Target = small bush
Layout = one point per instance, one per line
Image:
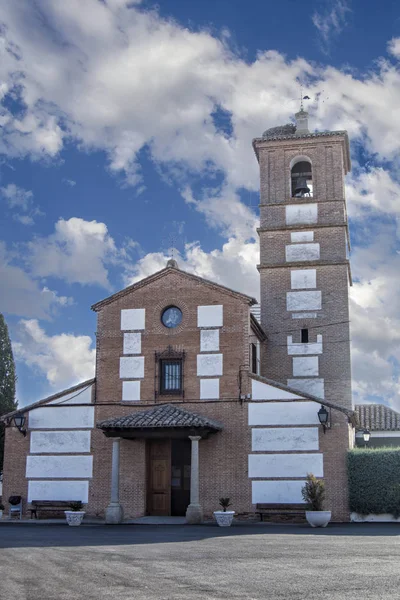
(374, 480)
(225, 503)
(313, 492)
(76, 506)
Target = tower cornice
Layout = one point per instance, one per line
(297, 140)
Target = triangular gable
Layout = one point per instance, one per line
(267, 389)
(68, 396)
(167, 271)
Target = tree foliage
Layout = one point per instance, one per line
(7, 380)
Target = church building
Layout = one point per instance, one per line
(197, 393)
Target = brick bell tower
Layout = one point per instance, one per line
(304, 266)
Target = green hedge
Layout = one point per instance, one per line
(374, 480)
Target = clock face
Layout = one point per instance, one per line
(171, 317)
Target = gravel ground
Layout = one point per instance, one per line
(92, 562)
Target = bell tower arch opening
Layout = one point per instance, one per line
(301, 181)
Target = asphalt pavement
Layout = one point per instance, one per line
(252, 562)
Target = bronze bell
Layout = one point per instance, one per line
(301, 188)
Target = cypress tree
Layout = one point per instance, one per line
(7, 380)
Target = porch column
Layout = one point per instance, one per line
(194, 512)
(114, 512)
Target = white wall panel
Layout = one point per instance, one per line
(303, 279)
(130, 391)
(305, 366)
(285, 465)
(65, 417)
(277, 492)
(300, 252)
(210, 316)
(131, 367)
(209, 340)
(58, 490)
(83, 396)
(284, 438)
(133, 318)
(306, 315)
(283, 413)
(132, 343)
(265, 391)
(209, 389)
(59, 466)
(310, 386)
(299, 348)
(60, 441)
(303, 300)
(306, 214)
(209, 364)
(301, 236)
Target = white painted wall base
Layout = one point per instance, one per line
(58, 490)
(285, 465)
(284, 438)
(382, 518)
(277, 492)
(60, 441)
(65, 417)
(283, 413)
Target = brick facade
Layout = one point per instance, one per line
(225, 455)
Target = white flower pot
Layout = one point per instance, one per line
(74, 517)
(224, 519)
(318, 518)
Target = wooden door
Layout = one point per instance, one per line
(159, 480)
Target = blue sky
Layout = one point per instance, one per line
(126, 130)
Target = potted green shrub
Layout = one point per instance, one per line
(224, 517)
(1, 510)
(75, 515)
(313, 493)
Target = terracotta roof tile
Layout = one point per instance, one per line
(165, 415)
(377, 417)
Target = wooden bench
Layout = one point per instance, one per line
(49, 506)
(282, 512)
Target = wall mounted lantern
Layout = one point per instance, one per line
(19, 422)
(366, 435)
(323, 417)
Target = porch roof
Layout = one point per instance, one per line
(163, 420)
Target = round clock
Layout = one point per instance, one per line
(171, 316)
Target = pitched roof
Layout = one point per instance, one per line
(79, 388)
(163, 416)
(377, 417)
(169, 269)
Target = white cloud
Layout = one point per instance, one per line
(17, 196)
(78, 252)
(233, 266)
(332, 22)
(394, 47)
(64, 359)
(375, 318)
(372, 192)
(19, 199)
(23, 296)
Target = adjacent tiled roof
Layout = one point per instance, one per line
(377, 417)
(165, 415)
